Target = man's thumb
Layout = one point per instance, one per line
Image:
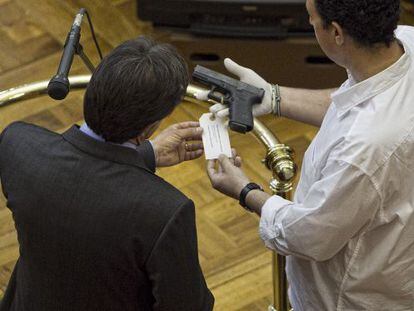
(224, 162)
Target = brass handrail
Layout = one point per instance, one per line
(278, 159)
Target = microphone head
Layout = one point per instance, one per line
(58, 87)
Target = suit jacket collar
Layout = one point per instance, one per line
(110, 152)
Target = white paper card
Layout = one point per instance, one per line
(215, 137)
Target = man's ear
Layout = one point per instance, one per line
(338, 33)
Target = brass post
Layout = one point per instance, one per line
(279, 160)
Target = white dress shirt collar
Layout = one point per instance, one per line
(88, 131)
(352, 94)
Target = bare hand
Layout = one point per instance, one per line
(177, 143)
(228, 177)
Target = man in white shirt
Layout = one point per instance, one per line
(349, 232)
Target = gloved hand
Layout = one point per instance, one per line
(248, 76)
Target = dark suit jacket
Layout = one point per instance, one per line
(97, 229)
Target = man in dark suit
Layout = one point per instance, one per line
(97, 229)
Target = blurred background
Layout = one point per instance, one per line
(269, 37)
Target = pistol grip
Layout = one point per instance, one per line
(241, 116)
(238, 127)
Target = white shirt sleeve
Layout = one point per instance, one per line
(340, 204)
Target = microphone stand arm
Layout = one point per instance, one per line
(79, 51)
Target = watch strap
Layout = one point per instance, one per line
(243, 194)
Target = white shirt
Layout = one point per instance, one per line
(350, 229)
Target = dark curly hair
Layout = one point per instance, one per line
(138, 83)
(368, 22)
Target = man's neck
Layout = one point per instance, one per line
(367, 63)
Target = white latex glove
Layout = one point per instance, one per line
(248, 76)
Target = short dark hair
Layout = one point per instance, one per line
(138, 83)
(368, 22)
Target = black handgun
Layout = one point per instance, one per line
(239, 96)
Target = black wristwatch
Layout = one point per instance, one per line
(242, 198)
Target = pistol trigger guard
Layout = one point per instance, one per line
(227, 98)
(210, 94)
(212, 101)
(216, 98)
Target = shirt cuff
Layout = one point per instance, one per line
(270, 228)
(148, 154)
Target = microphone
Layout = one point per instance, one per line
(58, 87)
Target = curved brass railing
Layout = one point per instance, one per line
(278, 159)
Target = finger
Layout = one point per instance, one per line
(226, 123)
(223, 113)
(191, 133)
(225, 163)
(217, 107)
(194, 146)
(235, 68)
(238, 161)
(193, 140)
(191, 155)
(220, 169)
(187, 124)
(202, 95)
(211, 170)
(233, 153)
